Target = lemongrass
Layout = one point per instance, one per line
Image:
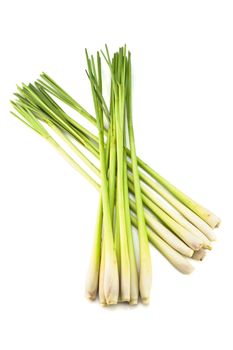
(117, 240)
(102, 298)
(111, 282)
(211, 219)
(199, 254)
(176, 259)
(125, 261)
(185, 211)
(166, 217)
(96, 265)
(164, 233)
(189, 238)
(174, 214)
(92, 281)
(145, 279)
(101, 277)
(134, 290)
(118, 116)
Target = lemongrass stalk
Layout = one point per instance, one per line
(199, 255)
(125, 262)
(111, 140)
(94, 264)
(39, 98)
(118, 118)
(72, 162)
(42, 114)
(57, 91)
(163, 232)
(111, 282)
(175, 258)
(102, 298)
(97, 263)
(134, 291)
(174, 214)
(189, 238)
(112, 182)
(117, 241)
(112, 172)
(92, 280)
(185, 211)
(75, 149)
(211, 219)
(112, 190)
(145, 273)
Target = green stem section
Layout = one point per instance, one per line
(111, 283)
(145, 260)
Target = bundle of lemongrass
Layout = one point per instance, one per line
(131, 192)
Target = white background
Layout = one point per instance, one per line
(183, 111)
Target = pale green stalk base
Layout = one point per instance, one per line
(102, 298)
(190, 239)
(92, 281)
(176, 259)
(111, 281)
(167, 235)
(134, 290)
(145, 270)
(174, 214)
(185, 211)
(211, 219)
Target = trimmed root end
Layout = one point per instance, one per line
(213, 221)
(103, 304)
(145, 301)
(207, 246)
(218, 223)
(186, 269)
(197, 246)
(91, 295)
(125, 299)
(111, 302)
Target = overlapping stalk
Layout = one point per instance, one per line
(145, 278)
(131, 192)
